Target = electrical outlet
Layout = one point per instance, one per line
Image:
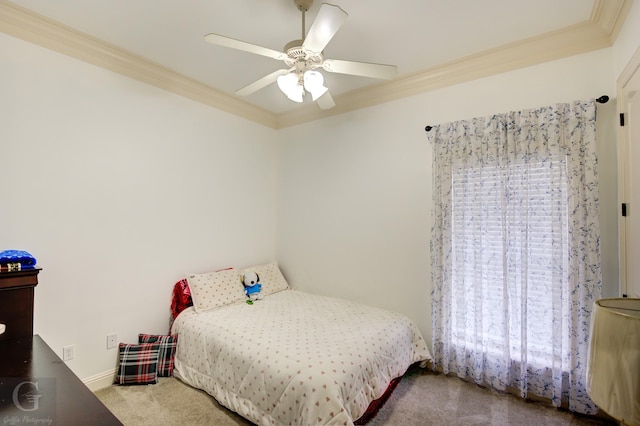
(68, 352)
(112, 340)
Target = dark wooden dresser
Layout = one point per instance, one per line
(36, 387)
(16, 302)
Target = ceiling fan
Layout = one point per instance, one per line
(304, 57)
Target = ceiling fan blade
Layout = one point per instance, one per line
(263, 82)
(327, 23)
(242, 45)
(326, 101)
(365, 69)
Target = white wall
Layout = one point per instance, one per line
(120, 189)
(354, 213)
(628, 40)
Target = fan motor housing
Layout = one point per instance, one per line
(296, 53)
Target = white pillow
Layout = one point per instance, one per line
(270, 276)
(215, 289)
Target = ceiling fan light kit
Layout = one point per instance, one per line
(314, 84)
(303, 57)
(291, 87)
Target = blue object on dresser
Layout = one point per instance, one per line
(17, 259)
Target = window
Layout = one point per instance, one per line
(506, 257)
(515, 250)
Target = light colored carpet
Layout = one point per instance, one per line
(421, 398)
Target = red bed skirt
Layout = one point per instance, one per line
(377, 404)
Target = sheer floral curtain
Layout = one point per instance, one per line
(515, 250)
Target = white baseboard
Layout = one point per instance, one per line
(100, 381)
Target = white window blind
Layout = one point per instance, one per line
(509, 248)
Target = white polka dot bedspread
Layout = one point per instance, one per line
(295, 358)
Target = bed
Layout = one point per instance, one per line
(292, 358)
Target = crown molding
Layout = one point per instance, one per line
(600, 31)
(610, 15)
(573, 40)
(29, 26)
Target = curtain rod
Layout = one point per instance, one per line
(601, 100)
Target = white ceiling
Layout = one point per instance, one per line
(413, 34)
